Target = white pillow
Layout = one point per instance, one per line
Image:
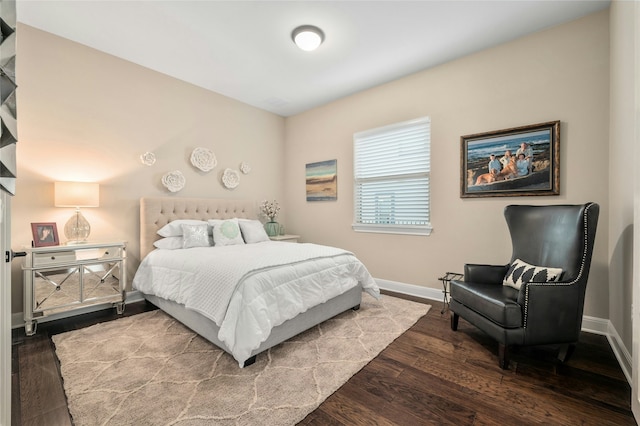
(521, 272)
(196, 236)
(226, 232)
(169, 243)
(252, 231)
(174, 228)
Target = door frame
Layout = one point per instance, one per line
(5, 309)
(635, 307)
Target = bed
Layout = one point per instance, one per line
(243, 298)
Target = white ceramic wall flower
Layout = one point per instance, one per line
(148, 158)
(204, 159)
(245, 168)
(174, 181)
(230, 178)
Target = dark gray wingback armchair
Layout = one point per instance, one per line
(541, 312)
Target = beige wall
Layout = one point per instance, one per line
(623, 124)
(558, 74)
(85, 115)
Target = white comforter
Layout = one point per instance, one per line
(249, 289)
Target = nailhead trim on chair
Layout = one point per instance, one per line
(584, 257)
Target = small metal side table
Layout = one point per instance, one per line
(446, 279)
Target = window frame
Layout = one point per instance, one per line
(388, 228)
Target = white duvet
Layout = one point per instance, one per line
(248, 289)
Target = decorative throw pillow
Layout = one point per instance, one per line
(174, 228)
(521, 272)
(195, 236)
(169, 243)
(252, 231)
(226, 232)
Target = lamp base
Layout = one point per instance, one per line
(77, 229)
(75, 243)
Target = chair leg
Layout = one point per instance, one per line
(565, 352)
(454, 321)
(503, 356)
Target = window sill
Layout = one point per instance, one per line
(393, 229)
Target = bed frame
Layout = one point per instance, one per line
(158, 211)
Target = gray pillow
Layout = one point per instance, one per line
(169, 243)
(195, 236)
(174, 228)
(252, 231)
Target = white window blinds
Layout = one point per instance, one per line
(391, 167)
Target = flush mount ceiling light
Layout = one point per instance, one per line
(307, 37)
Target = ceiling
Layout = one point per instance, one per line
(243, 49)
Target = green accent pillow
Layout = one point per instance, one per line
(226, 232)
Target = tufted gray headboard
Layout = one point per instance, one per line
(155, 212)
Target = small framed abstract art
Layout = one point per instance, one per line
(322, 181)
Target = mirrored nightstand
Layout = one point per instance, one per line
(61, 279)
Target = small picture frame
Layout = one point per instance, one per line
(44, 234)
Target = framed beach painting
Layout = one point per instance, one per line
(512, 162)
(322, 181)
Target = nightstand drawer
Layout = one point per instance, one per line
(53, 258)
(102, 253)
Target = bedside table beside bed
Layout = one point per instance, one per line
(289, 238)
(59, 280)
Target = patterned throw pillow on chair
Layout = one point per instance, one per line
(521, 272)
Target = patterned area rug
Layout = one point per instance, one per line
(149, 369)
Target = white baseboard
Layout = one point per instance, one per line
(17, 319)
(411, 290)
(619, 349)
(595, 325)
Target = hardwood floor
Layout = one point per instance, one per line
(432, 375)
(429, 375)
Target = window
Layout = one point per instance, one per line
(391, 178)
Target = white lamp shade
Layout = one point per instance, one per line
(77, 194)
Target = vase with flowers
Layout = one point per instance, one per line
(270, 209)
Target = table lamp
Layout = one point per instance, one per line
(77, 194)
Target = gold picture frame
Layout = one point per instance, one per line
(491, 164)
